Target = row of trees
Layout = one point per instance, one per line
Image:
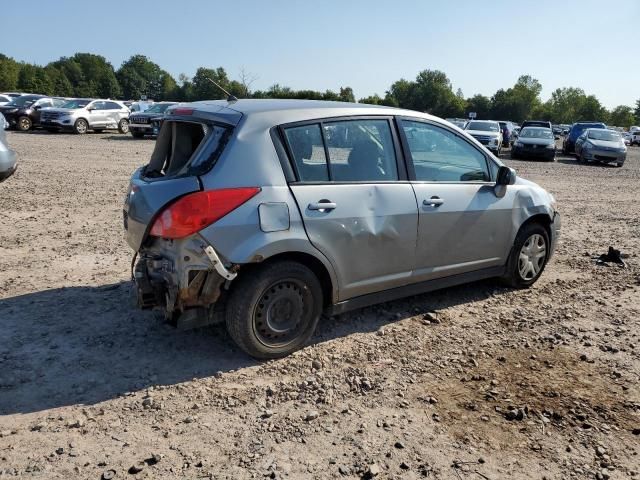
(89, 75)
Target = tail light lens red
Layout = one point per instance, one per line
(198, 210)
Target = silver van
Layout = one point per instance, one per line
(267, 213)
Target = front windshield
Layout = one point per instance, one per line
(21, 102)
(483, 126)
(536, 133)
(606, 135)
(78, 103)
(158, 108)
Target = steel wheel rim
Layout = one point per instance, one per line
(282, 313)
(532, 257)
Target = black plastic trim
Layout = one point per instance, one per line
(414, 289)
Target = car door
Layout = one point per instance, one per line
(357, 205)
(112, 114)
(96, 114)
(462, 225)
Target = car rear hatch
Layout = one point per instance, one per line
(192, 138)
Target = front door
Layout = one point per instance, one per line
(97, 116)
(357, 206)
(463, 225)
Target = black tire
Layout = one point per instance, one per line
(280, 289)
(513, 276)
(123, 126)
(81, 126)
(136, 134)
(24, 124)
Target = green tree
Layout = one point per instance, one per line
(140, 76)
(203, 89)
(346, 95)
(34, 79)
(622, 116)
(371, 100)
(592, 109)
(9, 70)
(481, 105)
(518, 102)
(636, 112)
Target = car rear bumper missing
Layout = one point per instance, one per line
(182, 278)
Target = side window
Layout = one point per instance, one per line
(308, 152)
(112, 106)
(58, 102)
(361, 151)
(439, 155)
(97, 105)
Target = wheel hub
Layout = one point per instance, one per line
(279, 312)
(532, 257)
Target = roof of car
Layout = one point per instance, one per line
(255, 105)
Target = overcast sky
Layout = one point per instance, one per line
(365, 44)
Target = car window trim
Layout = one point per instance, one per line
(400, 162)
(409, 158)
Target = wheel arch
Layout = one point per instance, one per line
(308, 260)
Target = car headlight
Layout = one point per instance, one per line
(587, 146)
(12, 110)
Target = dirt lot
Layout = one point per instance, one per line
(475, 382)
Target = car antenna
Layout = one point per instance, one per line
(230, 98)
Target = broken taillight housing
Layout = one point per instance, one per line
(198, 210)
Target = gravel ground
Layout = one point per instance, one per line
(474, 382)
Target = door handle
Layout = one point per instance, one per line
(322, 205)
(433, 202)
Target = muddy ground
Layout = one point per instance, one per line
(474, 382)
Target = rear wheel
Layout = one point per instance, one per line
(81, 126)
(528, 257)
(123, 126)
(24, 124)
(274, 310)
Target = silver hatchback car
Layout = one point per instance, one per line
(267, 213)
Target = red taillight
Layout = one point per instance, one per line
(195, 211)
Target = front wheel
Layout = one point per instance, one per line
(273, 311)
(81, 126)
(528, 257)
(24, 124)
(123, 126)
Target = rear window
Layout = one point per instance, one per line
(186, 148)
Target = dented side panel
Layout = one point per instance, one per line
(370, 237)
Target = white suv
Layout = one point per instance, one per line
(81, 115)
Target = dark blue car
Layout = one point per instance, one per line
(569, 144)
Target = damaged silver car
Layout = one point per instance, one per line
(8, 160)
(267, 213)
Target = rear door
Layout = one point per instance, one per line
(462, 225)
(112, 113)
(358, 208)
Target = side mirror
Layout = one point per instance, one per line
(37, 107)
(506, 176)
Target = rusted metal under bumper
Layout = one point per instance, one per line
(186, 293)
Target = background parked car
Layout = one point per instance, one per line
(28, 117)
(144, 123)
(601, 145)
(487, 132)
(635, 138)
(509, 137)
(536, 123)
(8, 159)
(82, 114)
(12, 110)
(536, 142)
(4, 99)
(568, 145)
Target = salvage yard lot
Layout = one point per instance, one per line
(540, 383)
